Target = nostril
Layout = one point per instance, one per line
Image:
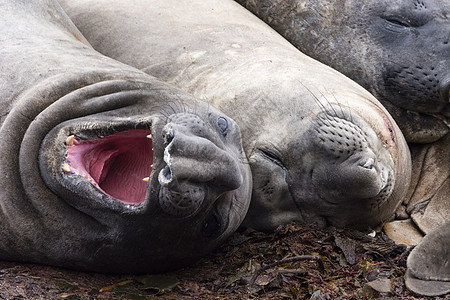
(168, 134)
(167, 173)
(165, 176)
(368, 164)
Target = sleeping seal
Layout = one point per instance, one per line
(321, 148)
(79, 134)
(399, 50)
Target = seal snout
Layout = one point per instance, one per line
(367, 177)
(370, 165)
(357, 165)
(197, 168)
(378, 175)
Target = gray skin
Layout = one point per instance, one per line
(53, 85)
(429, 264)
(399, 50)
(321, 148)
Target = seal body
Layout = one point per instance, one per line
(81, 131)
(320, 147)
(398, 50)
(428, 264)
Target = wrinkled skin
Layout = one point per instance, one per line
(398, 50)
(76, 144)
(321, 149)
(429, 264)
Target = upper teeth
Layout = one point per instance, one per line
(69, 140)
(66, 168)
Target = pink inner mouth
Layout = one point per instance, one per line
(115, 164)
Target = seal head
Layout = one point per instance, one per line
(174, 185)
(105, 168)
(398, 50)
(337, 171)
(296, 114)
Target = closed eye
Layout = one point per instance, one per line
(272, 157)
(397, 21)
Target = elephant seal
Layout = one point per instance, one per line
(398, 50)
(428, 270)
(320, 147)
(81, 131)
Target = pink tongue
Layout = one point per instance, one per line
(117, 163)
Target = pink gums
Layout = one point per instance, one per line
(115, 164)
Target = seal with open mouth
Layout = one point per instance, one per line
(105, 168)
(321, 148)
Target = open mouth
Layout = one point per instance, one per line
(118, 164)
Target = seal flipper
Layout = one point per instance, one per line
(429, 264)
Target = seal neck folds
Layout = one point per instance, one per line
(117, 164)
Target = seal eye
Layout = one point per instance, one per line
(397, 21)
(272, 157)
(222, 123)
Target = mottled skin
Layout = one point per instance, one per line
(320, 147)
(58, 93)
(400, 51)
(429, 264)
